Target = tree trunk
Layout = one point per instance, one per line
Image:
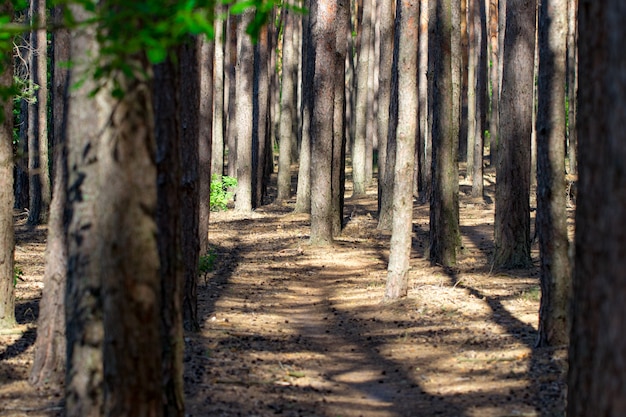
(551, 203)
(7, 243)
(230, 86)
(323, 19)
(260, 118)
(288, 106)
(597, 356)
(50, 348)
(386, 11)
(572, 83)
(84, 395)
(444, 202)
(244, 118)
(360, 117)
(39, 186)
(512, 219)
(195, 100)
(205, 139)
(402, 228)
(494, 79)
(219, 109)
(425, 86)
(338, 166)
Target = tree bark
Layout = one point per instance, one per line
(425, 105)
(323, 16)
(358, 146)
(494, 79)
(572, 84)
(244, 119)
(219, 109)
(402, 228)
(512, 218)
(597, 356)
(50, 348)
(7, 242)
(260, 120)
(444, 202)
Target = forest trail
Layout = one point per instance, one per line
(290, 329)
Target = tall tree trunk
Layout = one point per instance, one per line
(260, 118)
(360, 117)
(425, 86)
(303, 197)
(402, 229)
(386, 12)
(7, 243)
(572, 83)
(551, 204)
(323, 19)
(371, 133)
(205, 139)
(244, 119)
(338, 167)
(288, 106)
(597, 356)
(230, 86)
(84, 395)
(477, 100)
(39, 187)
(444, 201)
(193, 58)
(50, 348)
(494, 79)
(512, 219)
(219, 109)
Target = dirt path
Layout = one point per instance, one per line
(294, 330)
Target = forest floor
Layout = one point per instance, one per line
(291, 329)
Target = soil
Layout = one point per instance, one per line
(291, 329)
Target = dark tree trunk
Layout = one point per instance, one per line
(260, 116)
(512, 222)
(50, 348)
(597, 356)
(444, 201)
(205, 139)
(7, 243)
(402, 225)
(190, 89)
(424, 147)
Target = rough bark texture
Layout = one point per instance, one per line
(338, 188)
(572, 83)
(360, 116)
(494, 79)
(193, 98)
(84, 395)
(244, 118)
(323, 18)
(7, 242)
(386, 17)
(597, 357)
(205, 139)
(512, 219)
(218, 109)
(477, 93)
(260, 120)
(230, 87)
(50, 348)
(551, 196)
(288, 106)
(402, 228)
(168, 131)
(444, 200)
(425, 86)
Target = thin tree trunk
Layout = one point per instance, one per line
(402, 229)
(7, 242)
(551, 204)
(244, 117)
(425, 132)
(205, 139)
(494, 79)
(572, 83)
(260, 117)
(230, 86)
(50, 347)
(219, 108)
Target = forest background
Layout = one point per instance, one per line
(143, 108)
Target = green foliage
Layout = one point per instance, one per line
(18, 274)
(220, 196)
(206, 264)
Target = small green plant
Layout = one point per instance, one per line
(18, 274)
(206, 264)
(220, 194)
